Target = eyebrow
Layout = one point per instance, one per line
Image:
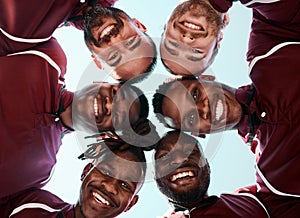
(117, 62)
(136, 44)
(171, 51)
(162, 148)
(194, 59)
(133, 47)
(189, 57)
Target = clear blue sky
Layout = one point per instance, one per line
(232, 164)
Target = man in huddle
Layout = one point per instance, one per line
(182, 174)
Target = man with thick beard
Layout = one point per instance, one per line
(265, 113)
(182, 174)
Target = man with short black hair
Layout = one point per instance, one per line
(109, 187)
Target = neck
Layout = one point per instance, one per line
(66, 117)
(186, 206)
(78, 211)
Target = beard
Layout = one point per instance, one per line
(187, 196)
(96, 17)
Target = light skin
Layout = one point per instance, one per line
(191, 37)
(179, 171)
(121, 44)
(111, 188)
(201, 106)
(102, 106)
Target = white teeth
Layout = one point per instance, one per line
(106, 31)
(191, 26)
(96, 107)
(100, 199)
(182, 175)
(219, 109)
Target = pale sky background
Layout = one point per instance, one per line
(232, 163)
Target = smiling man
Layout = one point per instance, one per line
(267, 118)
(120, 41)
(107, 106)
(191, 37)
(197, 105)
(109, 188)
(182, 174)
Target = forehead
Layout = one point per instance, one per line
(179, 91)
(177, 142)
(123, 163)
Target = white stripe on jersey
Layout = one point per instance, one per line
(18, 39)
(274, 49)
(269, 186)
(260, 1)
(32, 206)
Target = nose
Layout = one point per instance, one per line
(108, 105)
(187, 38)
(204, 109)
(178, 157)
(110, 185)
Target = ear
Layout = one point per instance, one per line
(219, 39)
(132, 203)
(225, 20)
(97, 62)
(86, 170)
(139, 25)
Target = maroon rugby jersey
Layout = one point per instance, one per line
(30, 132)
(37, 203)
(274, 55)
(23, 24)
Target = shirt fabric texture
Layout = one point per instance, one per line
(274, 62)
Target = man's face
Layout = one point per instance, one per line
(189, 43)
(121, 43)
(111, 187)
(103, 106)
(181, 170)
(201, 106)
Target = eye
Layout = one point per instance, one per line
(195, 94)
(125, 186)
(192, 119)
(162, 155)
(196, 51)
(129, 42)
(113, 56)
(174, 43)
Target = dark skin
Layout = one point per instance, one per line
(111, 187)
(201, 106)
(102, 106)
(181, 170)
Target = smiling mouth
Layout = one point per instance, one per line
(107, 31)
(219, 110)
(96, 109)
(182, 175)
(191, 25)
(100, 199)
